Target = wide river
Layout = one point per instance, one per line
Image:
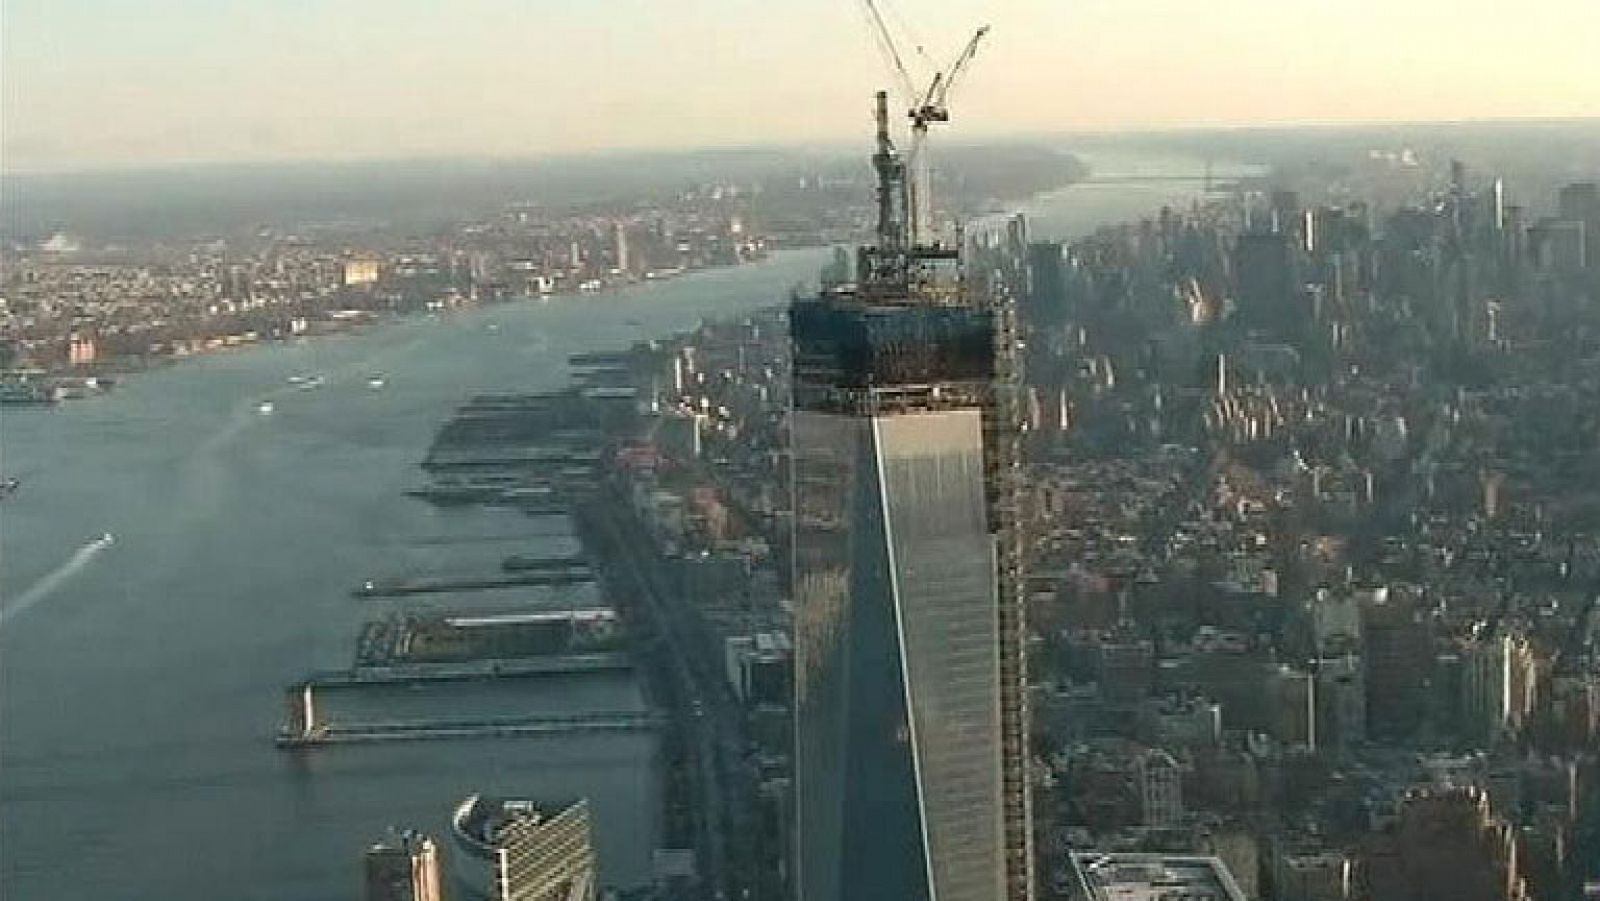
(140, 677)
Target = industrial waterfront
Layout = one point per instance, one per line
(142, 675)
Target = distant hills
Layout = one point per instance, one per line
(200, 200)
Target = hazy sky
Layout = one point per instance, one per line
(91, 83)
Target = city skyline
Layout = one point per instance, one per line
(182, 82)
(515, 450)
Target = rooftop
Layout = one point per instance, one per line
(1098, 876)
(483, 823)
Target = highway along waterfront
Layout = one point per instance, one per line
(185, 547)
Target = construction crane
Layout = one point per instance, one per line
(927, 106)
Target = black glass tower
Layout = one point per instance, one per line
(910, 769)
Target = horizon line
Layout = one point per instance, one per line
(830, 145)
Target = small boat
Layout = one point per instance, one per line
(265, 408)
(9, 486)
(27, 394)
(107, 540)
(376, 381)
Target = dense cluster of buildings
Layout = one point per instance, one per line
(1313, 561)
(70, 309)
(1310, 556)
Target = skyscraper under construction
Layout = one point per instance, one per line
(911, 725)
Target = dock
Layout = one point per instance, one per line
(553, 664)
(394, 588)
(529, 563)
(503, 727)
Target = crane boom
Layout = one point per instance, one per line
(932, 108)
(927, 105)
(959, 66)
(933, 91)
(886, 45)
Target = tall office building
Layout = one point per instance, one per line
(910, 769)
(1047, 282)
(521, 851)
(1264, 273)
(1580, 202)
(1399, 656)
(403, 867)
(620, 248)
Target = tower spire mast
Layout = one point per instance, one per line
(891, 182)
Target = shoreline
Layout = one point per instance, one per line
(65, 386)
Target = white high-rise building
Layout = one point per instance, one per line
(512, 850)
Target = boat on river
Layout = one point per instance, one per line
(27, 394)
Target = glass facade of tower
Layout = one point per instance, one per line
(899, 787)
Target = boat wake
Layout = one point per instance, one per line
(58, 577)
